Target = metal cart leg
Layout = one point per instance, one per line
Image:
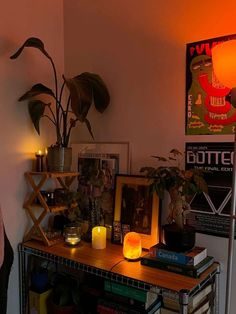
(183, 301)
(216, 308)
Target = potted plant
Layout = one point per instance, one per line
(181, 185)
(68, 104)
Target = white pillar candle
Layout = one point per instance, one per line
(99, 237)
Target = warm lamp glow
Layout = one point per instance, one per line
(224, 63)
(132, 247)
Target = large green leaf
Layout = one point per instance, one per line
(36, 110)
(34, 43)
(101, 95)
(86, 89)
(35, 90)
(81, 97)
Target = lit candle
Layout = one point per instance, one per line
(39, 160)
(46, 159)
(99, 237)
(132, 247)
(72, 240)
(72, 235)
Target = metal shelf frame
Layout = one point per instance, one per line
(183, 296)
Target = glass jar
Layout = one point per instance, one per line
(72, 235)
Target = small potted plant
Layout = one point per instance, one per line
(181, 185)
(67, 105)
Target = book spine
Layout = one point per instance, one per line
(173, 257)
(126, 291)
(102, 309)
(125, 300)
(118, 307)
(170, 267)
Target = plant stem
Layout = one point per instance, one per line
(69, 131)
(58, 105)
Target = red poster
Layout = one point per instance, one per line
(208, 107)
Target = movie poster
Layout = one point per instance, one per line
(210, 212)
(208, 107)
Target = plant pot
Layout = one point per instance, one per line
(59, 159)
(177, 239)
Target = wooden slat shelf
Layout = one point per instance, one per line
(36, 181)
(51, 209)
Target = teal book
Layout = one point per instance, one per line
(191, 257)
(186, 270)
(147, 297)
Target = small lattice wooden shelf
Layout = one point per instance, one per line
(37, 181)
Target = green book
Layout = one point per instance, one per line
(147, 297)
(186, 270)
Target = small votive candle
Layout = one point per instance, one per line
(72, 236)
(99, 237)
(132, 247)
(39, 161)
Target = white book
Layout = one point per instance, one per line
(205, 307)
(193, 302)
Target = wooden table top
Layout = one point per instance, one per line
(111, 259)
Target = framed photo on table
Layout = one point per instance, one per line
(98, 163)
(136, 209)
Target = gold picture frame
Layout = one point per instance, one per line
(136, 209)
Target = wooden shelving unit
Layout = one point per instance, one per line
(37, 181)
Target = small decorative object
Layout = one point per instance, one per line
(48, 196)
(132, 247)
(72, 235)
(181, 185)
(84, 90)
(109, 231)
(59, 195)
(39, 161)
(99, 237)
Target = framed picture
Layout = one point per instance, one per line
(118, 150)
(98, 163)
(136, 209)
(207, 101)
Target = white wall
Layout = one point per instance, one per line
(18, 21)
(138, 47)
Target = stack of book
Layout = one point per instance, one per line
(122, 299)
(191, 263)
(198, 304)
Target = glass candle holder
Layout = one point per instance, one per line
(72, 235)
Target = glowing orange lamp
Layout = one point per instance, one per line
(224, 62)
(224, 65)
(132, 246)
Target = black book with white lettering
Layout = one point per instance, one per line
(186, 270)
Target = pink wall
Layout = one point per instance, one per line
(138, 47)
(18, 21)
